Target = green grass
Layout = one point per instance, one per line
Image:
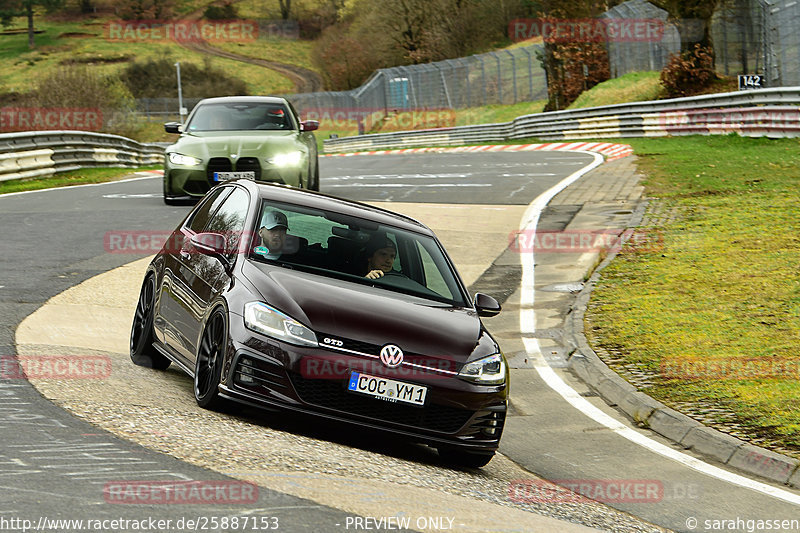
(21, 66)
(289, 51)
(724, 288)
(65, 179)
(633, 87)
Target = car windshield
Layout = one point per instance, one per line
(335, 245)
(239, 116)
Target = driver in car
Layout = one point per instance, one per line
(381, 253)
(273, 235)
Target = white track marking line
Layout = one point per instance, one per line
(554, 381)
(68, 187)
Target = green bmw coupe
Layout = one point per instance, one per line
(253, 137)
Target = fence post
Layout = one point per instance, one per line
(444, 85)
(483, 77)
(466, 80)
(513, 73)
(499, 78)
(530, 73)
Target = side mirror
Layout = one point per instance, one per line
(486, 305)
(211, 244)
(173, 127)
(309, 125)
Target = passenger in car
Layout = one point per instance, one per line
(381, 253)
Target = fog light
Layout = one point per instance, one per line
(246, 373)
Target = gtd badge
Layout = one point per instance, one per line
(391, 355)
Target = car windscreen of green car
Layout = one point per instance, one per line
(258, 138)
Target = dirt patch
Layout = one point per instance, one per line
(77, 34)
(19, 31)
(95, 59)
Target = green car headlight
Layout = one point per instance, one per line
(269, 321)
(489, 370)
(289, 159)
(184, 160)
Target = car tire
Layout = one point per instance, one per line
(208, 365)
(465, 459)
(141, 344)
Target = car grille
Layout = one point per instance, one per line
(217, 164)
(331, 394)
(440, 363)
(246, 164)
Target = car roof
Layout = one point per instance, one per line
(317, 200)
(234, 99)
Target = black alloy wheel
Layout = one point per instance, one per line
(208, 367)
(142, 351)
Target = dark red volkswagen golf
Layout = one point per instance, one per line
(300, 301)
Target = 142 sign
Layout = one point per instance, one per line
(751, 81)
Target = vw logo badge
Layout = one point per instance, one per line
(391, 355)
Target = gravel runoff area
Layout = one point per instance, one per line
(368, 474)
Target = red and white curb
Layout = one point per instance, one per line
(609, 150)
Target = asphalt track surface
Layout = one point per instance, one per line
(53, 464)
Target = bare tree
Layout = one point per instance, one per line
(286, 8)
(693, 20)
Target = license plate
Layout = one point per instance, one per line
(225, 176)
(387, 389)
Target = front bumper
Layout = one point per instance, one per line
(196, 181)
(272, 374)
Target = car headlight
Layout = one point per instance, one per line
(489, 370)
(184, 160)
(289, 159)
(267, 320)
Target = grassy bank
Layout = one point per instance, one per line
(66, 43)
(709, 323)
(76, 177)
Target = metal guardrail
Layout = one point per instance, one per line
(764, 112)
(43, 153)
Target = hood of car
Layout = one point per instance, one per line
(347, 311)
(206, 145)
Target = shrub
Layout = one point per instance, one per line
(226, 11)
(688, 73)
(157, 78)
(83, 88)
(574, 68)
